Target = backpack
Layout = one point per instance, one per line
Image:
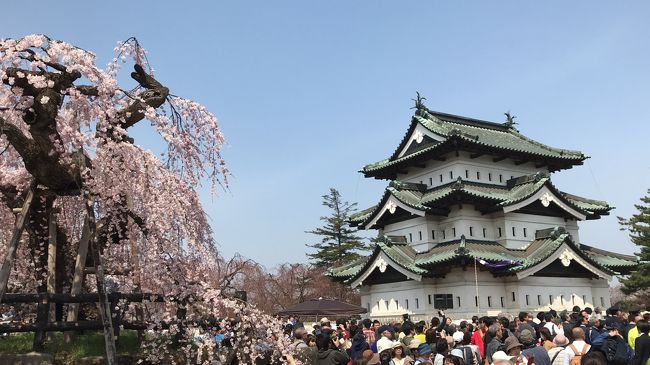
(617, 352)
(468, 355)
(578, 355)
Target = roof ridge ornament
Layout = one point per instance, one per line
(462, 247)
(458, 185)
(420, 108)
(510, 120)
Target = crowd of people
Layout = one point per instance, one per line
(581, 336)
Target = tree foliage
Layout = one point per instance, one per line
(339, 243)
(639, 228)
(64, 134)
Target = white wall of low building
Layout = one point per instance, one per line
(495, 295)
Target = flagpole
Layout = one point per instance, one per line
(478, 300)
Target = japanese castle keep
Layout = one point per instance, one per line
(471, 205)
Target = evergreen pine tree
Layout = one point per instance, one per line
(339, 244)
(639, 228)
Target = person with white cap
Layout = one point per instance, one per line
(397, 354)
(468, 353)
(500, 358)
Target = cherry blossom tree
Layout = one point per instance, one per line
(64, 138)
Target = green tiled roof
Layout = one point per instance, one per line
(480, 134)
(418, 197)
(448, 253)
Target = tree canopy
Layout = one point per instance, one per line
(639, 227)
(65, 139)
(339, 243)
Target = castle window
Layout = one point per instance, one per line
(451, 175)
(602, 301)
(539, 299)
(550, 299)
(562, 299)
(527, 300)
(489, 301)
(573, 299)
(489, 176)
(584, 299)
(467, 174)
(444, 235)
(417, 303)
(368, 307)
(443, 301)
(478, 175)
(430, 181)
(386, 302)
(377, 305)
(453, 231)
(503, 302)
(500, 178)
(397, 304)
(458, 300)
(471, 231)
(440, 177)
(484, 232)
(525, 233)
(514, 299)
(500, 233)
(429, 298)
(407, 304)
(410, 237)
(476, 301)
(513, 231)
(420, 234)
(433, 234)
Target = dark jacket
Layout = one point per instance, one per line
(617, 351)
(641, 349)
(332, 357)
(539, 353)
(359, 345)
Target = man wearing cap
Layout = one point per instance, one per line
(424, 354)
(531, 350)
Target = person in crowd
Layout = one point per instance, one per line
(368, 331)
(578, 347)
(558, 352)
(451, 359)
(505, 326)
(531, 350)
(495, 343)
(513, 348)
(501, 358)
(617, 351)
(358, 343)
(409, 333)
(325, 323)
(442, 349)
(596, 330)
(642, 344)
(477, 336)
(546, 338)
(419, 331)
(539, 319)
(548, 324)
(397, 355)
(593, 358)
(470, 353)
(299, 336)
(413, 349)
(425, 355)
(328, 349)
(632, 330)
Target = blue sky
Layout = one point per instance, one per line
(307, 92)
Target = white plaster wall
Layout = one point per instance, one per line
(437, 173)
(564, 293)
(530, 223)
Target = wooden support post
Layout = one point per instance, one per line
(51, 263)
(78, 279)
(15, 238)
(42, 312)
(104, 305)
